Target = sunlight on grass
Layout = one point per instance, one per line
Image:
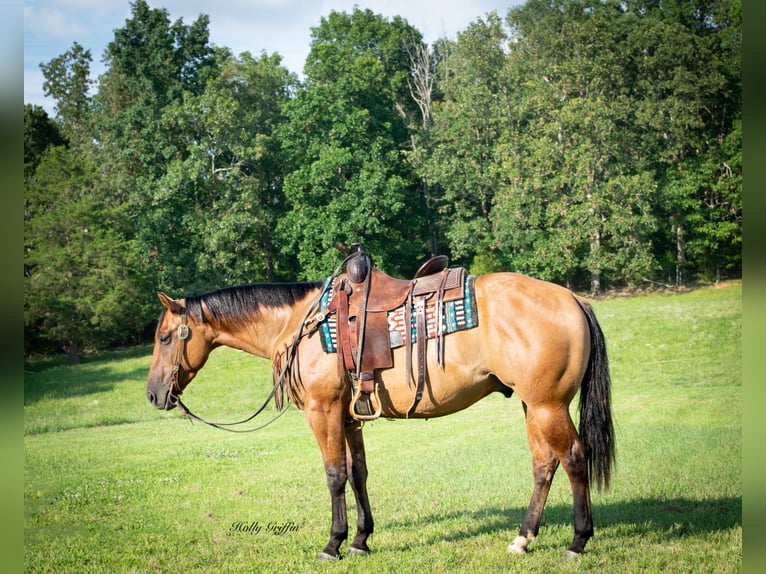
(113, 485)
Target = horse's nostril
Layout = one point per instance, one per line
(151, 397)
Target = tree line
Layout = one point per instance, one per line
(593, 143)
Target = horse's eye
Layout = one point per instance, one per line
(165, 338)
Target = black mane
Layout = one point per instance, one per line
(237, 304)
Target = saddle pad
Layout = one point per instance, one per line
(458, 315)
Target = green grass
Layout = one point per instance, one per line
(112, 485)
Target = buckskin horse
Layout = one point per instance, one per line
(532, 338)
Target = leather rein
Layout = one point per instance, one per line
(184, 331)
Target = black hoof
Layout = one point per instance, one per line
(325, 557)
(358, 551)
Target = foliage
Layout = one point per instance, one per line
(152, 65)
(81, 289)
(227, 186)
(67, 80)
(468, 121)
(40, 132)
(593, 143)
(345, 139)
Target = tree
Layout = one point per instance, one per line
(226, 186)
(577, 195)
(345, 139)
(81, 289)
(40, 132)
(688, 61)
(89, 274)
(467, 122)
(152, 65)
(423, 86)
(67, 80)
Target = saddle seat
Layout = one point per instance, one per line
(387, 293)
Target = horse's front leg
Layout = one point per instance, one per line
(357, 472)
(336, 482)
(328, 427)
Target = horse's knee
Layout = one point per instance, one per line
(336, 478)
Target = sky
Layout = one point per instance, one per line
(255, 26)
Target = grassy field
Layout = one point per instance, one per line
(112, 485)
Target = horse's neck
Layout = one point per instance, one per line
(267, 331)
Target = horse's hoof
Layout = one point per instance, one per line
(325, 557)
(518, 546)
(357, 551)
(571, 554)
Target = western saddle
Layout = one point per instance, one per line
(362, 299)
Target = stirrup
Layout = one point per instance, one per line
(361, 409)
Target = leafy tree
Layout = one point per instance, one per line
(81, 289)
(40, 132)
(345, 139)
(688, 62)
(86, 285)
(703, 203)
(67, 80)
(468, 120)
(225, 189)
(574, 201)
(152, 64)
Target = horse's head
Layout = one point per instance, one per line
(182, 345)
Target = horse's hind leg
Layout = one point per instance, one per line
(544, 465)
(553, 426)
(357, 473)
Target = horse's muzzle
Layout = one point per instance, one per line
(166, 403)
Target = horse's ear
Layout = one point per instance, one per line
(171, 304)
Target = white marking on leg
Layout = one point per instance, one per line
(518, 546)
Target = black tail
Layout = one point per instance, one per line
(596, 430)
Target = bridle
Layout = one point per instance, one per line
(183, 332)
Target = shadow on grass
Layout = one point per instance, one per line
(679, 516)
(51, 377)
(63, 384)
(41, 364)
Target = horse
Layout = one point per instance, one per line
(534, 338)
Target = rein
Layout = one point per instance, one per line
(224, 426)
(183, 333)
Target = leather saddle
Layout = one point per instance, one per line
(362, 299)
